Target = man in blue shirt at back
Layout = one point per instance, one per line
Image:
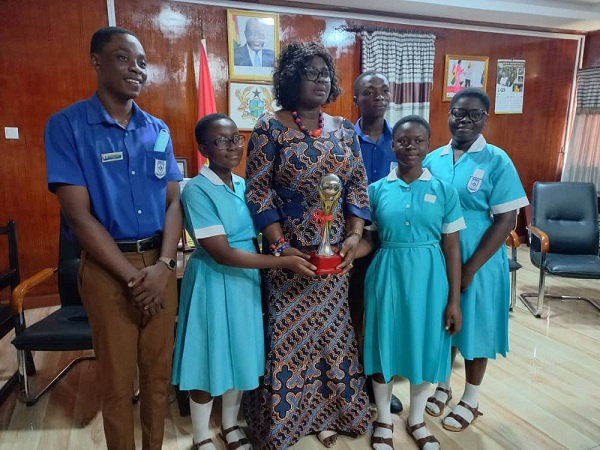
(111, 165)
(372, 96)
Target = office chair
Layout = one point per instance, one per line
(66, 329)
(564, 237)
(513, 242)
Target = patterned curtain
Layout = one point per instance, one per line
(583, 160)
(406, 59)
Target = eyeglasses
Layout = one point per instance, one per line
(222, 143)
(474, 114)
(313, 74)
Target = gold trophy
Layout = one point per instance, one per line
(325, 259)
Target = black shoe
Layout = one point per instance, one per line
(396, 405)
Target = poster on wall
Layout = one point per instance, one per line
(249, 101)
(510, 86)
(464, 71)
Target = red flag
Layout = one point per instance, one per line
(206, 94)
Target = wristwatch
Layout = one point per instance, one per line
(171, 263)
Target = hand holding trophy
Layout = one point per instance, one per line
(325, 259)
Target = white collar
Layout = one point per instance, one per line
(475, 147)
(425, 176)
(214, 178)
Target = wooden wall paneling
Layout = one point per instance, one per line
(44, 67)
(591, 52)
(549, 71)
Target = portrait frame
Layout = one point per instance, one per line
(456, 70)
(248, 101)
(183, 166)
(240, 64)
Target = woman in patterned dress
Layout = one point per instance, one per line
(314, 382)
(490, 193)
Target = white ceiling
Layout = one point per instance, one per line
(573, 15)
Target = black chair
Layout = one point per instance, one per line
(564, 237)
(513, 242)
(66, 329)
(10, 278)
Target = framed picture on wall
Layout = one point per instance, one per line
(182, 165)
(464, 71)
(249, 101)
(252, 43)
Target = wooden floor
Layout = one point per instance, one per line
(545, 395)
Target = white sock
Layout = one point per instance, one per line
(418, 399)
(383, 398)
(200, 413)
(471, 395)
(471, 398)
(440, 396)
(232, 400)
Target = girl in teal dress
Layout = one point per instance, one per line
(219, 347)
(412, 285)
(490, 195)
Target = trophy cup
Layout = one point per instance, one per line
(325, 259)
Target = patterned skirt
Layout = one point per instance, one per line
(313, 380)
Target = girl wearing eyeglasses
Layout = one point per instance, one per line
(490, 194)
(219, 348)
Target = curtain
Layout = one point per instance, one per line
(406, 59)
(583, 160)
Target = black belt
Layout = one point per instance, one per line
(141, 245)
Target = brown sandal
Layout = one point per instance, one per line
(460, 419)
(237, 444)
(421, 441)
(380, 440)
(441, 405)
(200, 444)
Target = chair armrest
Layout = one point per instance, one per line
(543, 237)
(513, 239)
(19, 293)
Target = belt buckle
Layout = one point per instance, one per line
(138, 246)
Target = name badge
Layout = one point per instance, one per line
(475, 181)
(430, 198)
(160, 168)
(109, 157)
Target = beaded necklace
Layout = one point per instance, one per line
(314, 133)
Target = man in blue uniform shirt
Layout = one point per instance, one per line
(372, 96)
(111, 165)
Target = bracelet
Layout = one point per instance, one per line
(281, 248)
(276, 244)
(354, 231)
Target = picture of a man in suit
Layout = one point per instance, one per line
(253, 53)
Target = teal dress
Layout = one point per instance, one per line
(487, 183)
(220, 339)
(406, 287)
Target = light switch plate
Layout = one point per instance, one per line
(11, 132)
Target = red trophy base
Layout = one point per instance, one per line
(325, 264)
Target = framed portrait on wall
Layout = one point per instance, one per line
(182, 166)
(464, 71)
(252, 43)
(249, 101)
